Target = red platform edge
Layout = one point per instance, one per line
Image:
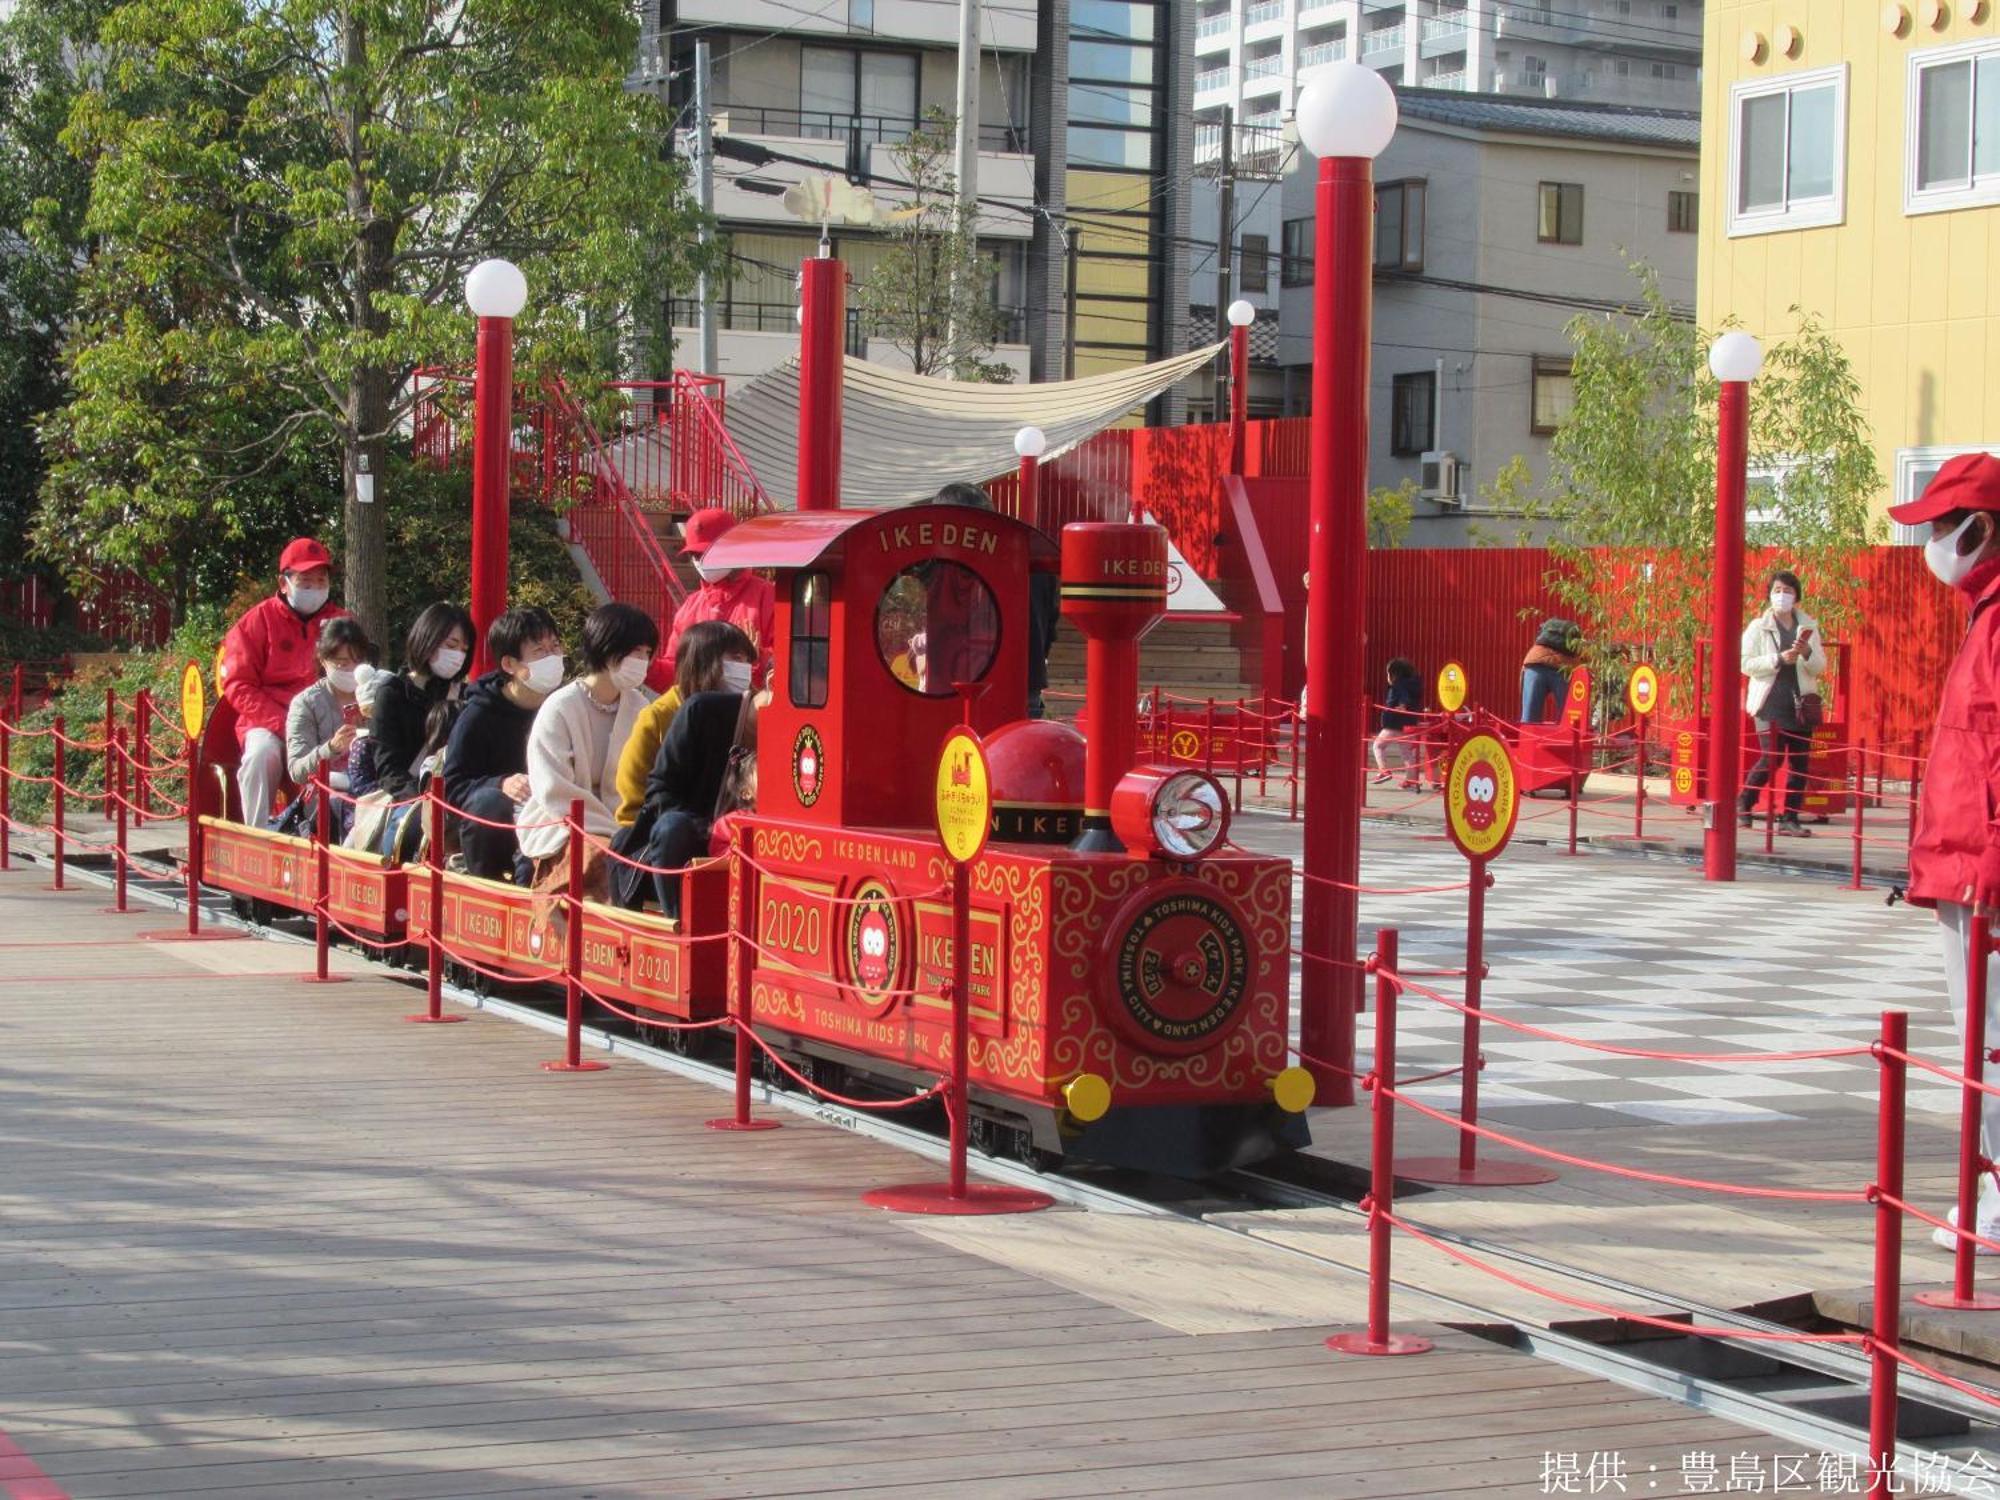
(936, 1198)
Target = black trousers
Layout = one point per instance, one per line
(1779, 743)
(489, 852)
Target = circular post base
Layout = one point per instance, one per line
(730, 1122)
(1490, 1173)
(330, 979)
(588, 1065)
(182, 935)
(113, 911)
(426, 1019)
(936, 1198)
(1358, 1342)
(1946, 1298)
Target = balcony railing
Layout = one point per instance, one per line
(1321, 53)
(859, 131)
(1265, 67)
(1388, 39)
(1217, 25)
(1452, 80)
(782, 317)
(1260, 147)
(1264, 10)
(1210, 80)
(1441, 28)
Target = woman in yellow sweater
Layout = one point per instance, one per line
(714, 657)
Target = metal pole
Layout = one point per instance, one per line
(1330, 989)
(142, 754)
(59, 799)
(1888, 1252)
(110, 724)
(1858, 763)
(1475, 974)
(1725, 716)
(115, 764)
(194, 837)
(1575, 778)
(742, 961)
(822, 346)
(1069, 309)
(492, 439)
(7, 791)
(573, 1060)
(1031, 489)
(1972, 1161)
(965, 171)
(961, 1019)
(706, 359)
(433, 1013)
(1225, 234)
(1639, 801)
(1239, 397)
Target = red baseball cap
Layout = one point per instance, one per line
(703, 528)
(1969, 482)
(301, 553)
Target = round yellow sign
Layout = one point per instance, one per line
(1642, 689)
(1451, 687)
(194, 701)
(964, 796)
(1480, 800)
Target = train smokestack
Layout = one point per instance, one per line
(1114, 590)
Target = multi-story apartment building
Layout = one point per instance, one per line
(1498, 221)
(1081, 149)
(1852, 162)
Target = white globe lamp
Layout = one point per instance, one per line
(1031, 442)
(1346, 110)
(496, 289)
(1241, 314)
(1735, 357)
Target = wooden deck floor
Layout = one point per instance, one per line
(261, 1238)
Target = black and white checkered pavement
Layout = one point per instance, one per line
(1647, 954)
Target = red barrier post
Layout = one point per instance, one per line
(194, 837)
(1858, 763)
(742, 960)
(323, 879)
(1208, 737)
(110, 724)
(1381, 1200)
(573, 1060)
(1888, 1252)
(59, 799)
(433, 1014)
(114, 782)
(1575, 778)
(1267, 744)
(7, 789)
(1639, 798)
(1771, 810)
(142, 751)
(1240, 723)
(1972, 1162)
(1297, 720)
(1915, 782)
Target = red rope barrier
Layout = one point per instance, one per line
(1964, 1388)
(824, 1093)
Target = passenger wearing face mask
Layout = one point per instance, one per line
(1955, 853)
(735, 596)
(574, 748)
(1784, 658)
(485, 766)
(436, 653)
(323, 720)
(268, 660)
(714, 656)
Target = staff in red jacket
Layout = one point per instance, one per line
(1955, 855)
(267, 660)
(737, 597)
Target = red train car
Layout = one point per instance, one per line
(369, 894)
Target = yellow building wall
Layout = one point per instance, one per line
(1911, 296)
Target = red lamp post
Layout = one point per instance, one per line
(1734, 360)
(1241, 316)
(496, 291)
(822, 346)
(1030, 443)
(1346, 117)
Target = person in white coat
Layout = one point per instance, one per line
(573, 748)
(1784, 659)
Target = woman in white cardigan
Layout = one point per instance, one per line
(573, 748)
(1783, 658)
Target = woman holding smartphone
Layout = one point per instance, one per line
(1783, 658)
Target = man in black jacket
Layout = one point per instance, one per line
(486, 760)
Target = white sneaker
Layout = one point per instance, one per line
(1944, 1239)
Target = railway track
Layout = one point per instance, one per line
(1815, 1394)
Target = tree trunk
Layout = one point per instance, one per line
(367, 437)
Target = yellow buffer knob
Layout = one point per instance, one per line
(1293, 1089)
(1087, 1097)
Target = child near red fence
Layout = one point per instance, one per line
(1955, 851)
(1402, 707)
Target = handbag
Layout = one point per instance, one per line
(1812, 711)
(372, 812)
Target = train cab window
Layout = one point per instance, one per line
(812, 610)
(936, 624)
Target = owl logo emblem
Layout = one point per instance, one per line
(1482, 787)
(808, 766)
(871, 951)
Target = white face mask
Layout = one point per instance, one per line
(445, 663)
(631, 671)
(545, 674)
(1942, 557)
(709, 574)
(736, 676)
(1782, 600)
(340, 679)
(308, 602)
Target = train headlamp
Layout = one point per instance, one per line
(1173, 813)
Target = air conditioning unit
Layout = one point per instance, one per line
(1438, 477)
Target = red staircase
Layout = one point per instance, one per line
(621, 479)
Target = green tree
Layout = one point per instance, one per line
(1632, 476)
(1390, 512)
(932, 293)
(286, 196)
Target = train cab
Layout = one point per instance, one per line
(1130, 970)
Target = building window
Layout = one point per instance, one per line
(1954, 128)
(1683, 212)
(1667, 71)
(1787, 152)
(1671, 12)
(1554, 395)
(1399, 226)
(1534, 71)
(1296, 252)
(1414, 399)
(812, 634)
(1915, 469)
(1256, 252)
(840, 85)
(1559, 216)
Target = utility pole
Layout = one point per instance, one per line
(1069, 304)
(704, 182)
(1225, 239)
(967, 163)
